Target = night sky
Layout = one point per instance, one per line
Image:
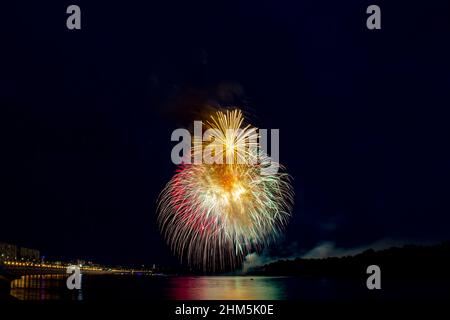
(86, 117)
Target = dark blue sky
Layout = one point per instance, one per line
(86, 116)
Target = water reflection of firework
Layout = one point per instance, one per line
(212, 215)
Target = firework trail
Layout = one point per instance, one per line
(213, 215)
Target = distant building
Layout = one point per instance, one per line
(28, 254)
(13, 252)
(8, 251)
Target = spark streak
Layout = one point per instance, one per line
(213, 215)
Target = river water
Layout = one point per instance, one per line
(102, 287)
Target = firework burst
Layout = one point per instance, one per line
(213, 215)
